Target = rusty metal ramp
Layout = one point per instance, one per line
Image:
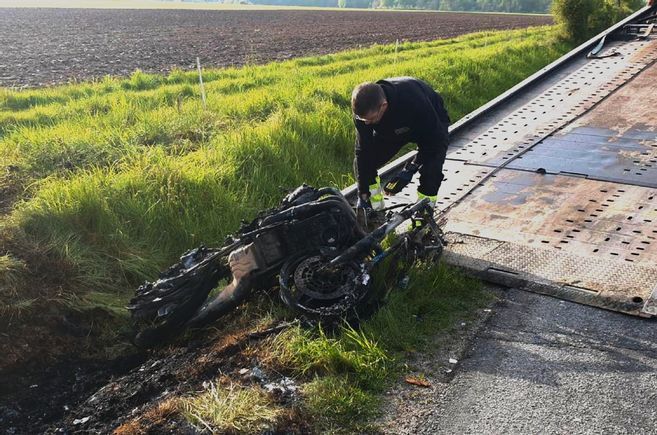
(571, 209)
(552, 187)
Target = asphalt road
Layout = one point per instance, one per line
(541, 365)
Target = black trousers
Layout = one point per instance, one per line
(431, 173)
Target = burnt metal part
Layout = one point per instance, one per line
(308, 219)
(225, 302)
(332, 282)
(313, 286)
(553, 185)
(160, 309)
(320, 282)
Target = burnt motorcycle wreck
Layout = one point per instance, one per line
(312, 242)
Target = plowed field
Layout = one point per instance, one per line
(47, 46)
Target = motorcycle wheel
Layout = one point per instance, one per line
(310, 285)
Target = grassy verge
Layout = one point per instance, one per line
(120, 176)
(103, 184)
(347, 372)
(340, 375)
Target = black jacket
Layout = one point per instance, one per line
(415, 113)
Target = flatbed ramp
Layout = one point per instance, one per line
(552, 187)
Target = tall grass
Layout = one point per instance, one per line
(109, 181)
(117, 177)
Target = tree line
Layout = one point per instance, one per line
(527, 6)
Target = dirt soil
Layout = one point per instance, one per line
(134, 393)
(48, 46)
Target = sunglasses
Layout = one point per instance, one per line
(372, 118)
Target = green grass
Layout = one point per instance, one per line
(109, 181)
(117, 177)
(346, 371)
(337, 405)
(231, 409)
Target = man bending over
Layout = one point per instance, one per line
(389, 114)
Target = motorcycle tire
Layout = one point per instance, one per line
(309, 285)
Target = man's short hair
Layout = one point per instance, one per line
(366, 98)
